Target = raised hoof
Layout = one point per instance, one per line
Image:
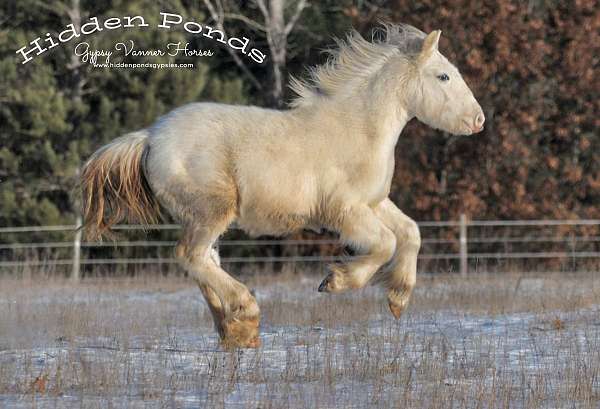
(335, 281)
(396, 309)
(398, 301)
(241, 333)
(330, 284)
(323, 287)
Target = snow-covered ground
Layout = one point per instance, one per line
(133, 347)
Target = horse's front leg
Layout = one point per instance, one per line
(401, 274)
(361, 229)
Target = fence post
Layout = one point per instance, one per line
(464, 260)
(77, 249)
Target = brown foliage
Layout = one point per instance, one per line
(534, 68)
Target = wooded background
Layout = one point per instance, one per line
(533, 65)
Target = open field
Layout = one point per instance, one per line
(487, 341)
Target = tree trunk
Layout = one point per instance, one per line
(277, 39)
(77, 80)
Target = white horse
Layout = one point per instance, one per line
(325, 163)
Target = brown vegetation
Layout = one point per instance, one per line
(488, 341)
(533, 67)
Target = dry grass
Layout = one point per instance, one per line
(487, 341)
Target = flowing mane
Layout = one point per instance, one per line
(356, 59)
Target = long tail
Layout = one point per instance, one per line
(115, 188)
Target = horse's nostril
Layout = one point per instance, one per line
(479, 120)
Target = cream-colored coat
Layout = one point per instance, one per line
(326, 163)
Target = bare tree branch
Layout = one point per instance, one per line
(218, 17)
(300, 6)
(309, 33)
(213, 12)
(250, 22)
(276, 30)
(220, 8)
(263, 9)
(56, 9)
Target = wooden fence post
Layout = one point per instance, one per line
(77, 249)
(464, 259)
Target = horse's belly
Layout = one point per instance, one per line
(269, 225)
(269, 216)
(275, 208)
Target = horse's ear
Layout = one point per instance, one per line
(430, 45)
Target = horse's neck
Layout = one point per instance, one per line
(368, 117)
(381, 117)
(367, 133)
(388, 115)
(387, 123)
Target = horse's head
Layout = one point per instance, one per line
(441, 98)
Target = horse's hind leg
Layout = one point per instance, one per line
(215, 307)
(234, 309)
(214, 304)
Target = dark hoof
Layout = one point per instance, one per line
(323, 287)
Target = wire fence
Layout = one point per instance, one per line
(462, 245)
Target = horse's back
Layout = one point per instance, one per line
(207, 152)
(217, 153)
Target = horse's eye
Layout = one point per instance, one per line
(443, 77)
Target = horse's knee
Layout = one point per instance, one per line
(410, 233)
(387, 245)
